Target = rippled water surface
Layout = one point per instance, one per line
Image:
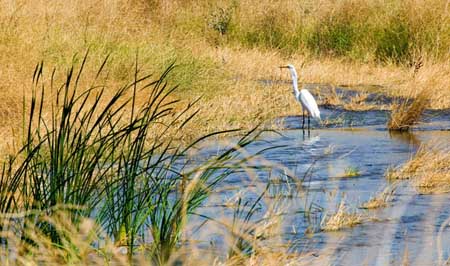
(408, 229)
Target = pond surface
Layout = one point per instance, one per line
(310, 178)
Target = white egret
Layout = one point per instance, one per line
(304, 97)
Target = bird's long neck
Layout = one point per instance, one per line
(295, 84)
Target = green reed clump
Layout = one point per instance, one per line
(268, 32)
(112, 158)
(71, 152)
(332, 37)
(393, 42)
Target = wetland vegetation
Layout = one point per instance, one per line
(162, 132)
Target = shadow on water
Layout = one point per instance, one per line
(310, 182)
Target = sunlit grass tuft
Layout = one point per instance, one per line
(342, 218)
(34, 246)
(381, 200)
(352, 171)
(349, 172)
(374, 203)
(428, 169)
(408, 112)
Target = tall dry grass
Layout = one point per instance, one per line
(428, 169)
(361, 29)
(222, 47)
(407, 112)
(342, 218)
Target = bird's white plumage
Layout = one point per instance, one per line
(304, 96)
(309, 104)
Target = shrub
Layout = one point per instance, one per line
(332, 37)
(393, 43)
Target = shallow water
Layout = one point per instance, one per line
(339, 118)
(408, 229)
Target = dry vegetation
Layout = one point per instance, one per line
(223, 47)
(342, 218)
(428, 170)
(76, 248)
(374, 203)
(381, 200)
(407, 112)
(354, 103)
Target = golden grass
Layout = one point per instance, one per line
(428, 170)
(224, 71)
(380, 200)
(374, 203)
(355, 103)
(267, 258)
(408, 112)
(343, 218)
(75, 248)
(85, 243)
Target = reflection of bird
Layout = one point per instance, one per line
(304, 97)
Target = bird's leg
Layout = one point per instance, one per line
(309, 122)
(303, 116)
